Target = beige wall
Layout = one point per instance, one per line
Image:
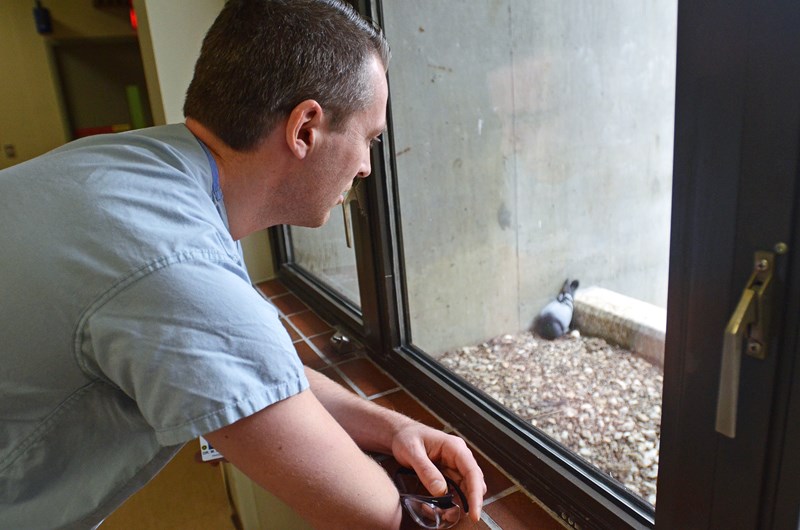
(30, 112)
(170, 34)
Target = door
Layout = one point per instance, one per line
(737, 152)
(600, 98)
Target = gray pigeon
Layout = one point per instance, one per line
(554, 319)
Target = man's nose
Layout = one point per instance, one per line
(366, 168)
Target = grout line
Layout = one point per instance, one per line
(315, 335)
(287, 315)
(316, 350)
(271, 299)
(349, 382)
(505, 493)
(486, 518)
(384, 393)
(299, 333)
(259, 291)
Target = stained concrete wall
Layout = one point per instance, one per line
(324, 252)
(533, 143)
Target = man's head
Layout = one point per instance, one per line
(261, 58)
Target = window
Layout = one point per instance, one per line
(532, 143)
(545, 157)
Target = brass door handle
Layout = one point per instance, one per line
(355, 194)
(748, 327)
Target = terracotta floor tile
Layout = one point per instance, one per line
(292, 333)
(465, 523)
(272, 288)
(323, 342)
(367, 377)
(310, 324)
(289, 304)
(496, 481)
(518, 512)
(309, 356)
(334, 375)
(403, 402)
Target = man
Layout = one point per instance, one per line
(128, 323)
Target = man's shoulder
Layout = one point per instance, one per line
(174, 132)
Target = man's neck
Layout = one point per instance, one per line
(245, 178)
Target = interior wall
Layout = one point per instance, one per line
(31, 118)
(170, 35)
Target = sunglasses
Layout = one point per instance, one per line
(426, 510)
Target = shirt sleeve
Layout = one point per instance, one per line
(195, 346)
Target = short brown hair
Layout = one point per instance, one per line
(260, 58)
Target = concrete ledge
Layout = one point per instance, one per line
(635, 325)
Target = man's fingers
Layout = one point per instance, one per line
(476, 489)
(431, 477)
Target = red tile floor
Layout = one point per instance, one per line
(507, 506)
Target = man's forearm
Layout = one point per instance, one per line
(371, 426)
(298, 451)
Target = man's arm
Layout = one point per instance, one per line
(414, 445)
(298, 451)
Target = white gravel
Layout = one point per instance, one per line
(597, 399)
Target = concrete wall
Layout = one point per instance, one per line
(323, 251)
(536, 138)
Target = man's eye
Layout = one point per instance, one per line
(374, 141)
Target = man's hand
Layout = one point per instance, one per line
(413, 444)
(431, 452)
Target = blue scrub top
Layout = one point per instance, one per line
(128, 324)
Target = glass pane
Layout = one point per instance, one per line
(324, 253)
(533, 146)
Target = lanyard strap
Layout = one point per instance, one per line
(216, 190)
(216, 195)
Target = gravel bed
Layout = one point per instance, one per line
(597, 399)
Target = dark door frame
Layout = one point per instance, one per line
(735, 189)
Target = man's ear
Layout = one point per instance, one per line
(303, 127)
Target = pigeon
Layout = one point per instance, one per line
(554, 319)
